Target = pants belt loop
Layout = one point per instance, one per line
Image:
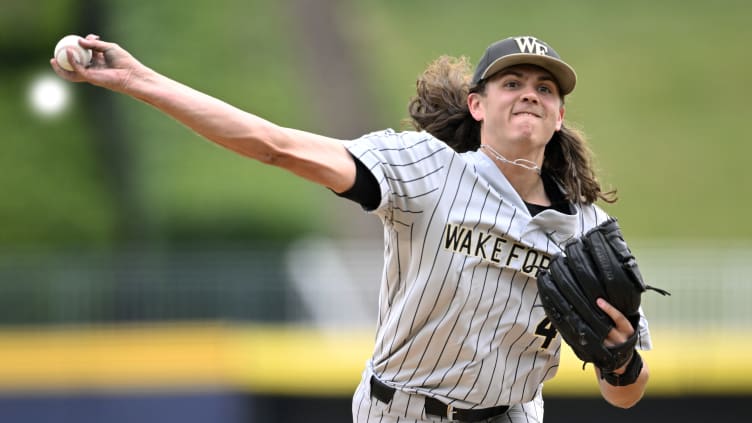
(450, 412)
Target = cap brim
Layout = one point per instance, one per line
(563, 73)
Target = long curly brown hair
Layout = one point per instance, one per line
(440, 108)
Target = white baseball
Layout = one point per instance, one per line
(81, 55)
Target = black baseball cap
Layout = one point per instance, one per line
(525, 50)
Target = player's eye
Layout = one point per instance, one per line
(545, 89)
(511, 83)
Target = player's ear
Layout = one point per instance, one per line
(560, 117)
(475, 105)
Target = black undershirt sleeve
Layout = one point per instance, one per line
(365, 191)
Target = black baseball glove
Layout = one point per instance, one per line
(598, 265)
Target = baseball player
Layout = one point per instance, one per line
(474, 204)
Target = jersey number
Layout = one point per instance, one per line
(546, 330)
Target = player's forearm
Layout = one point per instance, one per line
(210, 117)
(624, 396)
(317, 158)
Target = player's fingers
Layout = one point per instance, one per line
(97, 58)
(106, 54)
(617, 316)
(63, 73)
(77, 66)
(622, 327)
(95, 44)
(58, 70)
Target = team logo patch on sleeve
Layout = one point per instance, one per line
(495, 249)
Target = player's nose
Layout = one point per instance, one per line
(529, 96)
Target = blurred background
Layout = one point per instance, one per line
(147, 275)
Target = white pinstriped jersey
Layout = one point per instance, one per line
(459, 316)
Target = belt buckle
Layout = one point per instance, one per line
(450, 412)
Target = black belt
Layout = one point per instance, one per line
(385, 393)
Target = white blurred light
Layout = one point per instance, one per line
(48, 95)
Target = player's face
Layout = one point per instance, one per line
(520, 104)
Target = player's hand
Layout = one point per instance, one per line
(111, 66)
(622, 327)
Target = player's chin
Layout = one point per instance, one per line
(531, 135)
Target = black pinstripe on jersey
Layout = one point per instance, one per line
(458, 307)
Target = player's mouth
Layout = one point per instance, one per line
(526, 113)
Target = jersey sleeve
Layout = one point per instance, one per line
(407, 166)
(643, 338)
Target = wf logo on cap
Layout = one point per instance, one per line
(524, 50)
(531, 45)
